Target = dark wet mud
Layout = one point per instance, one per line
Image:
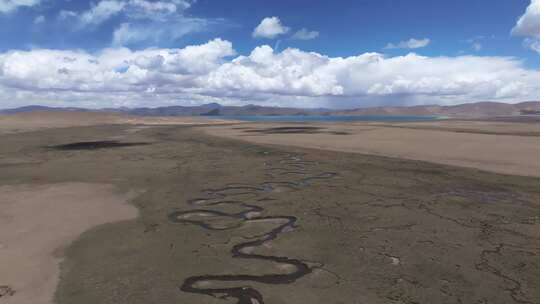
(294, 130)
(253, 209)
(6, 291)
(94, 145)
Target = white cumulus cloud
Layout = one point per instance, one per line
(140, 22)
(101, 12)
(409, 44)
(130, 33)
(144, 8)
(212, 72)
(529, 23)
(132, 9)
(270, 28)
(7, 6)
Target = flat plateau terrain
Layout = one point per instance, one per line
(127, 214)
(503, 147)
(32, 121)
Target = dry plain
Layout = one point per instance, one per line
(116, 212)
(503, 147)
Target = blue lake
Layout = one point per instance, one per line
(324, 118)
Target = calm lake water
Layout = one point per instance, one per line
(321, 118)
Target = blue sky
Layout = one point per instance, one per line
(302, 52)
(346, 28)
(352, 27)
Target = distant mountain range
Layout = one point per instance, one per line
(211, 109)
(215, 109)
(479, 109)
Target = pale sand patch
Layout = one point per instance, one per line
(447, 143)
(37, 222)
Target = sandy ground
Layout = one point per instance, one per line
(502, 147)
(32, 121)
(38, 222)
(357, 228)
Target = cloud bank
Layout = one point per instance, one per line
(270, 28)
(212, 72)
